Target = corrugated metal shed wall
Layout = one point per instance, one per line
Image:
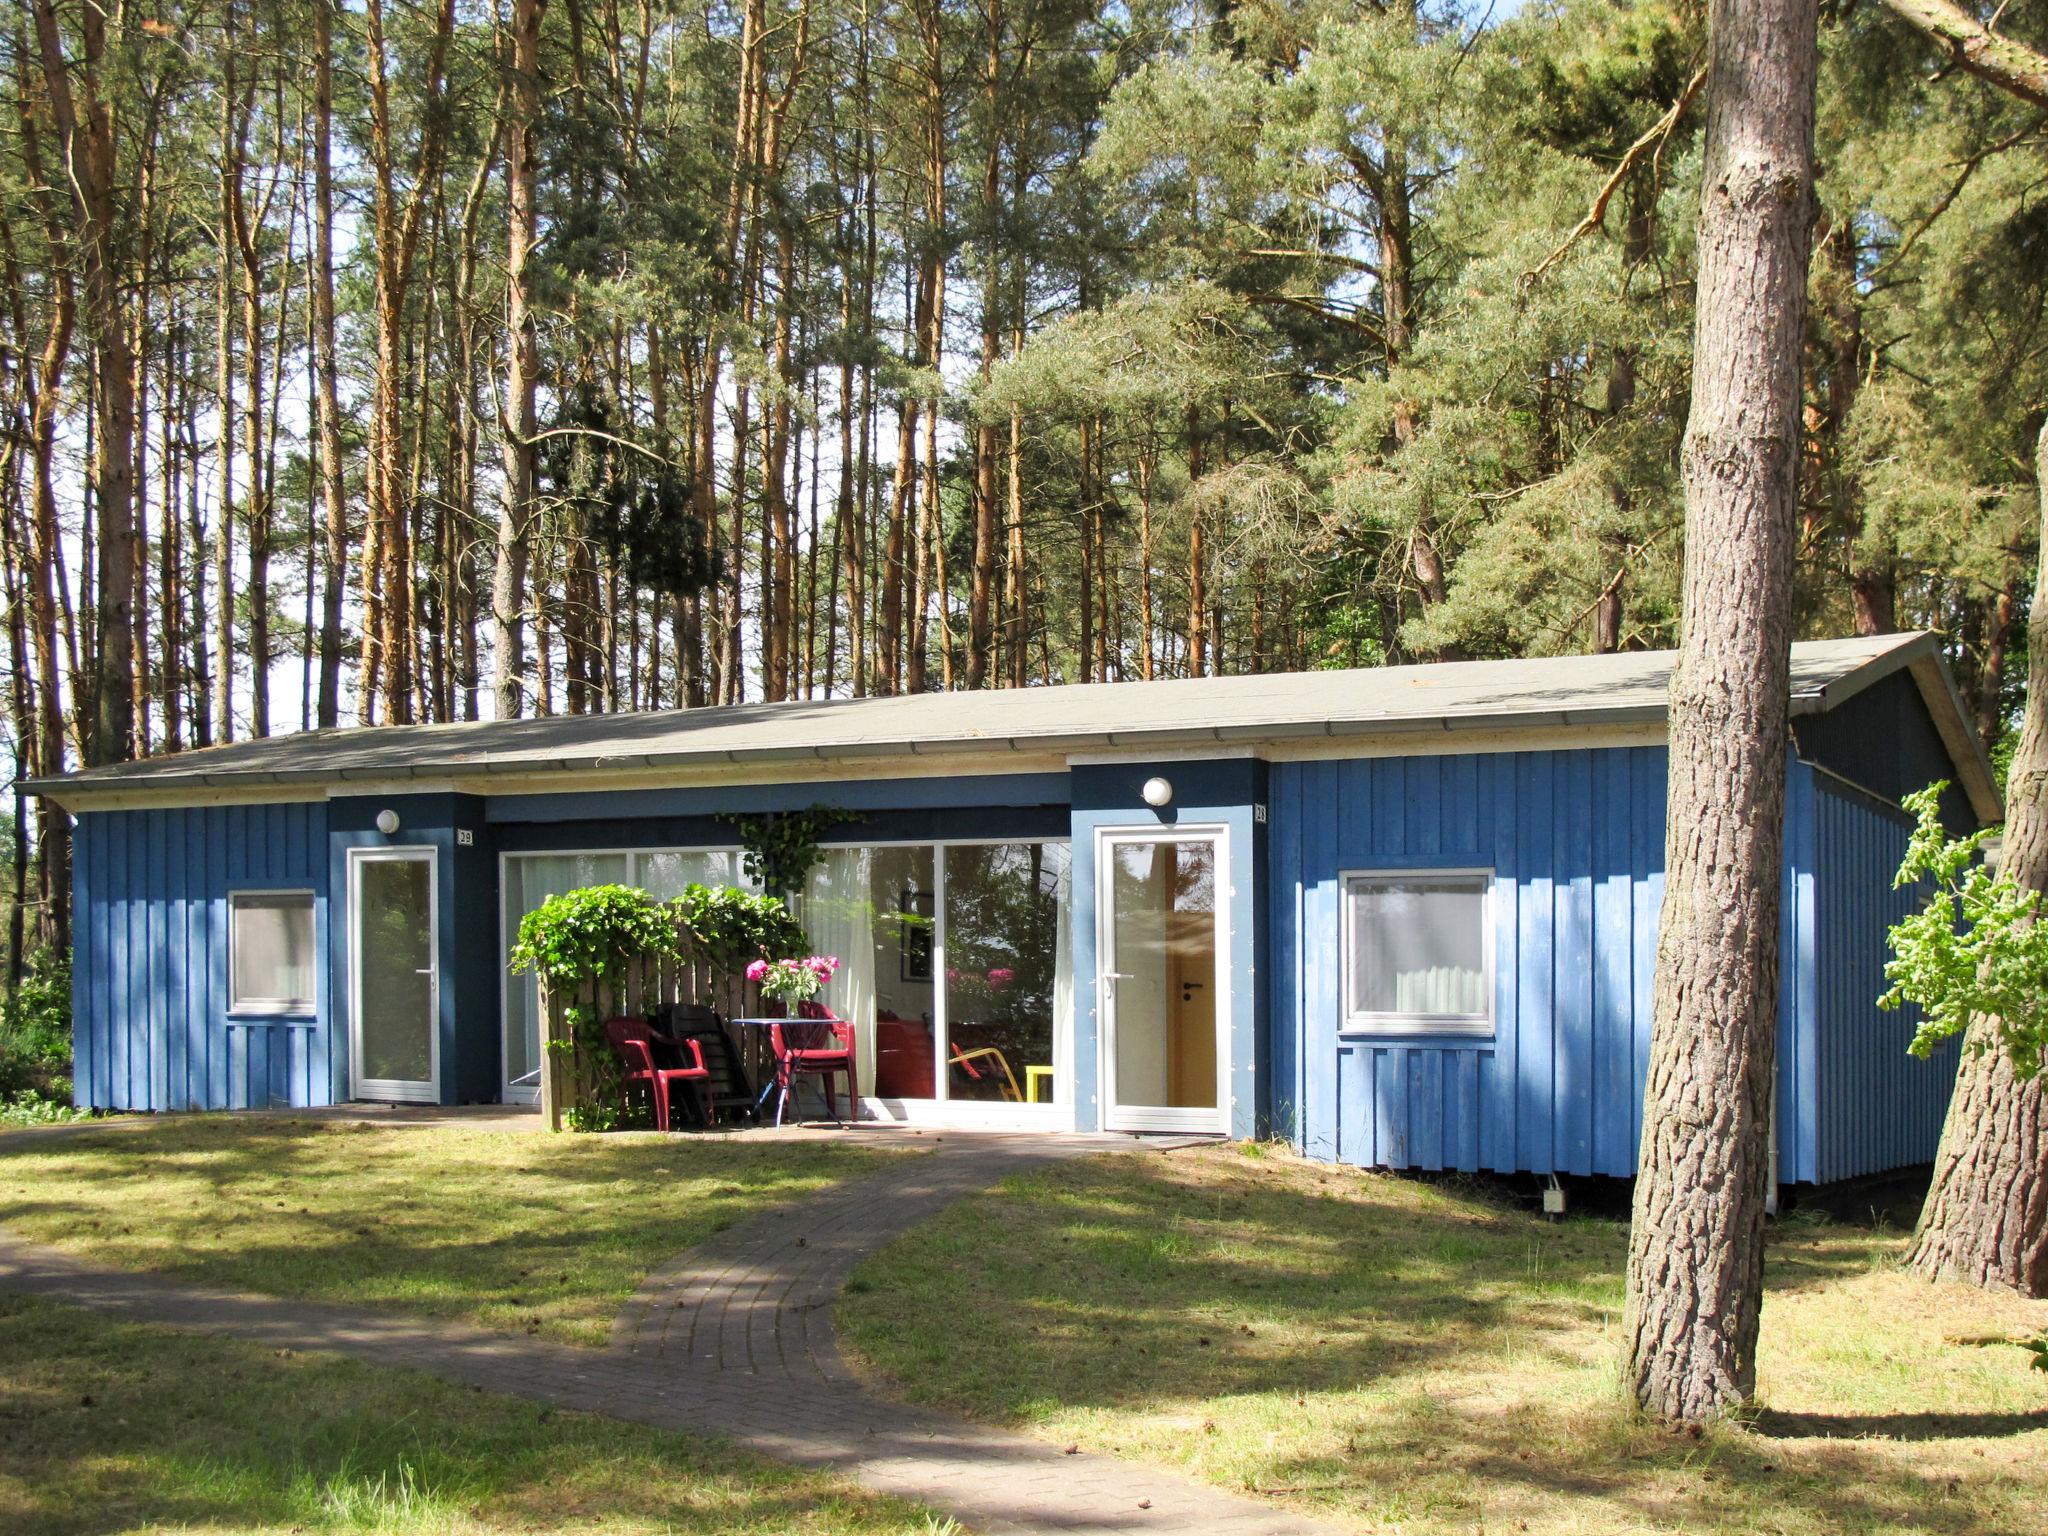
(150, 986)
(1877, 1107)
(1576, 840)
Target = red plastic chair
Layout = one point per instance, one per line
(813, 1042)
(634, 1040)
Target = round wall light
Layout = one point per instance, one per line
(387, 821)
(1158, 793)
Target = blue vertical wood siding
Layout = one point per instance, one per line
(1576, 843)
(151, 1026)
(1575, 840)
(1875, 1106)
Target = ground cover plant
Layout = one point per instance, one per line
(35, 1045)
(112, 1426)
(509, 1229)
(1423, 1359)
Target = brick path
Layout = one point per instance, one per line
(734, 1338)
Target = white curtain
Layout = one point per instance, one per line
(837, 910)
(664, 875)
(1444, 989)
(531, 879)
(1063, 968)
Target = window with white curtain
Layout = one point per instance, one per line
(270, 952)
(1419, 952)
(953, 952)
(531, 878)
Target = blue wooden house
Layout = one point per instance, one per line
(1403, 916)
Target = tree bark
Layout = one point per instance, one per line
(1695, 1272)
(87, 145)
(1986, 1217)
(522, 368)
(333, 487)
(1975, 48)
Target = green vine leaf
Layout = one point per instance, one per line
(600, 930)
(1974, 950)
(781, 848)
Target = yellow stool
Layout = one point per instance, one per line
(1033, 1078)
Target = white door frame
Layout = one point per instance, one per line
(1120, 1117)
(361, 1087)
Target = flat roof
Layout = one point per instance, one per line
(1235, 711)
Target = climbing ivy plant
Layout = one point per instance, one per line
(580, 936)
(781, 848)
(597, 931)
(587, 933)
(731, 927)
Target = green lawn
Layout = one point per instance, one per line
(114, 1427)
(1419, 1360)
(511, 1229)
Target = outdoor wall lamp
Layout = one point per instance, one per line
(387, 821)
(1158, 793)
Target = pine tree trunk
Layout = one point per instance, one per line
(89, 158)
(1986, 1217)
(1695, 1272)
(522, 369)
(333, 490)
(224, 392)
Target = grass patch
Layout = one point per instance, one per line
(1416, 1359)
(114, 1426)
(510, 1229)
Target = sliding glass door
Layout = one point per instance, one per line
(953, 966)
(531, 878)
(955, 963)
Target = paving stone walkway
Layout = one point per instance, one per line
(734, 1338)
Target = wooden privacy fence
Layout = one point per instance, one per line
(576, 1061)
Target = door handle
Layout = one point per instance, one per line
(1118, 976)
(424, 970)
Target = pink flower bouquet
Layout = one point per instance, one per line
(793, 981)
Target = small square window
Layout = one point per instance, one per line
(270, 952)
(1418, 952)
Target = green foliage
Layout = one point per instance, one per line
(731, 927)
(33, 1109)
(585, 933)
(1974, 950)
(595, 932)
(783, 847)
(35, 1032)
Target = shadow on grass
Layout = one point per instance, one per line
(1396, 1350)
(1538, 1468)
(509, 1229)
(1898, 1426)
(1223, 1284)
(109, 1427)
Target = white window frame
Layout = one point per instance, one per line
(527, 1090)
(271, 1007)
(1117, 1116)
(941, 1109)
(1359, 1021)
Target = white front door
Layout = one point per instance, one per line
(394, 992)
(1163, 989)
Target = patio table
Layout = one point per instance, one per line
(761, 1101)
